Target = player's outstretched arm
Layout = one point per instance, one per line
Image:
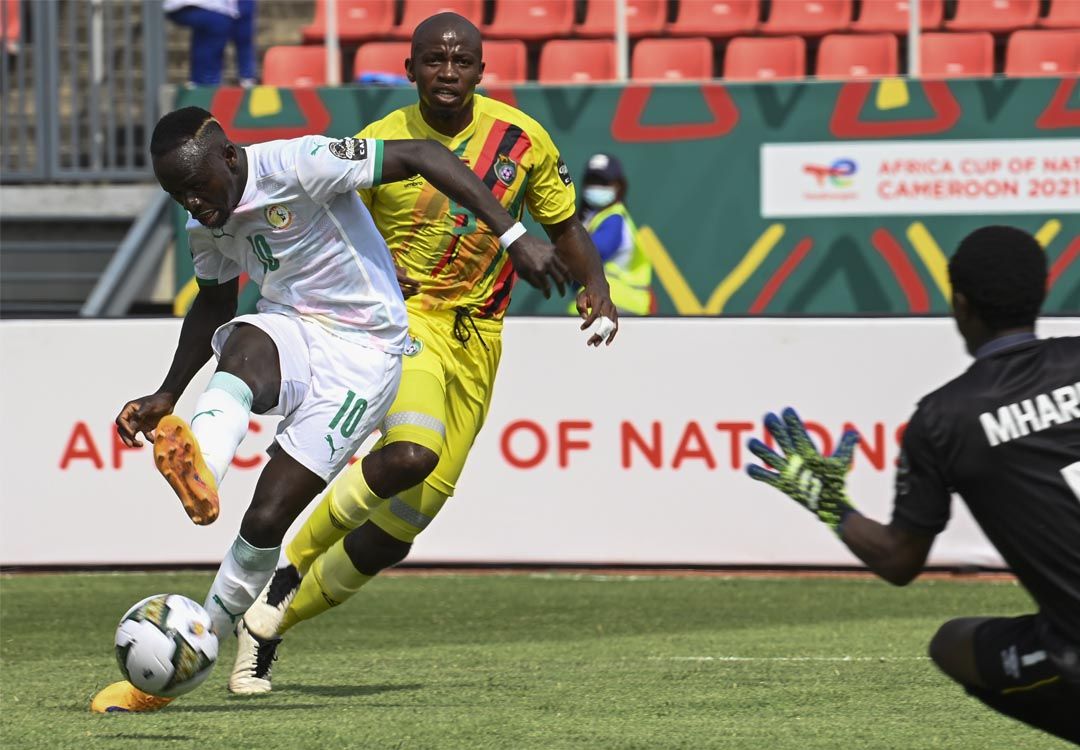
(213, 307)
(534, 260)
(818, 483)
(576, 248)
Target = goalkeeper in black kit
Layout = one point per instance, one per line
(1005, 436)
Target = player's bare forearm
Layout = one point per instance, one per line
(892, 553)
(436, 164)
(576, 248)
(213, 306)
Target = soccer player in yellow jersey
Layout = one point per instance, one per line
(458, 284)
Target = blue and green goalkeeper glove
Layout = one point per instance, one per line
(814, 481)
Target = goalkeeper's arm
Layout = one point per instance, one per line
(893, 553)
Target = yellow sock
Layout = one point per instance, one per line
(332, 579)
(347, 505)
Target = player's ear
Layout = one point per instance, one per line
(408, 70)
(481, 76)
(232, 155)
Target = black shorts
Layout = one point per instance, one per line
(1022, 653)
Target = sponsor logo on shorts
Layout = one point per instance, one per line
(353, 149)
(278, 216)
(333, 449)
(413, 347)
(564, 173)
(505, 169)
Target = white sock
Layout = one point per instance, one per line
(221, 421)
(242, 575)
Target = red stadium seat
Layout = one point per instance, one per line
(531, 19)
(1064, 14)
(858, 56)
(577, 61)
(672, 60)
(297, 67)
(505, 62)
(13, 20)
(958, 55)
(643, 18)
(765, 59)
(1043, 53)
(715, 18)
(417, 10)
(993, 15)
(381, 57)
(892, 15)
(356, 20)
(808, 17)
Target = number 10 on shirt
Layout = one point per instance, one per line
(262, 251)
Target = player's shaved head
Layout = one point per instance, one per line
(444, 27)
(1001, 272)
(197, 164)
(186, 134)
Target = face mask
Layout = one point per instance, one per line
(599, 196)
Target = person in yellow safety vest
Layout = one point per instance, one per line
(628, 270)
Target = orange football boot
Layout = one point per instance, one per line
(178, 458)
(123, 697)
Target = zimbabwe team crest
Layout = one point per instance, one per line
(278, 216)
(413, 347)
(505, 170)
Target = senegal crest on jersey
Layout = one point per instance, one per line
(505, 170)
(278, 216)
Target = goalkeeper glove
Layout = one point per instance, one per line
(814, 481)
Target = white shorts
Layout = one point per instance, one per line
(334, 392)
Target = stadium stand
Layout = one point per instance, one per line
(993, 15)
(357, 20)
(415, 11)
(301, 67)
(531, 20)
(1043, 53)
(957, 55)
(577, 61)
(858, 56)
(892, 16)
(672, 59)
(715, 19)
(1063, 14)
(643, 18)
(505, 62)
(808, 17)
(765, 59)
(381, 58)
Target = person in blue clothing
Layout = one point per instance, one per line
(213, 24)
(604, 213)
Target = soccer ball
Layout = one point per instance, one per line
(165, 646)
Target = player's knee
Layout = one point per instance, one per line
(371, 549)
(947, 649)
(411, 462)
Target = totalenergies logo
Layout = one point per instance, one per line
(838, 174)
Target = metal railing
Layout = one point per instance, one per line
(80, 86)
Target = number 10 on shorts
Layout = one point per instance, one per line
(349, 415)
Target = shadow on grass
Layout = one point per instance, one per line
(348, 691)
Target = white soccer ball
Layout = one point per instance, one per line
(165, 646)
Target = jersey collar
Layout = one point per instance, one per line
(1002, 343)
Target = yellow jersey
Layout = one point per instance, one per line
(453, 254)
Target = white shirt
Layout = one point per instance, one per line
(304, 236)
(224, 7)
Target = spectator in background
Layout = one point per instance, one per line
(628, 270)
(213, 24)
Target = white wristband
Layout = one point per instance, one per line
(512, 235)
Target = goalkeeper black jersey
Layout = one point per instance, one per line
(1005, 436)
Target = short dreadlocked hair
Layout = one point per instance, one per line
(181, 126)
(1002, 272)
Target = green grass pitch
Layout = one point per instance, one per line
(529, 661)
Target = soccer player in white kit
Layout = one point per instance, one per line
(324, 349)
